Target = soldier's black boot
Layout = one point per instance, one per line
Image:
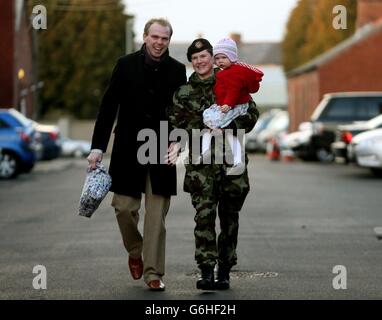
(222, 279)
(206, 281)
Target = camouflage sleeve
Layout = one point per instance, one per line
(182, 113)
(248, 121)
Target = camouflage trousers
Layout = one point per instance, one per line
(214, 193)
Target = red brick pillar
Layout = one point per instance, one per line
(7, 51)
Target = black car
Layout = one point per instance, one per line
(49, 138)
(337, 109)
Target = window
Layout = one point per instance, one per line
(349, 109)
(3, 124)
(340, 109)
(369, 107)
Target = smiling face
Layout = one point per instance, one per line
(157, 40)
(203, 64)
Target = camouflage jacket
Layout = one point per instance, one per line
(189, 102)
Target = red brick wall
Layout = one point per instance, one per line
(357, 69)
(303, 97)
(368, 11)
(6, 49)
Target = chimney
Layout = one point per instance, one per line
(236, 37)
(368, 11)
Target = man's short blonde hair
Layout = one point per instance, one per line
(161, 21)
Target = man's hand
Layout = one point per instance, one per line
(225, 108)
(93, 158)
(172, 153)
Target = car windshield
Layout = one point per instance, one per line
(265, 119)
(262, 122)
(348, 109)
(279, 122)
(319, 108)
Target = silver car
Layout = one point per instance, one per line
(368, 150)
(75, 148)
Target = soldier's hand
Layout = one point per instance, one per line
(172, 154)
(93, 158)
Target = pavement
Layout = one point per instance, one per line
(57, 164)
(301, 223)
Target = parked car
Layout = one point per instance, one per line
(295, 144)
(75, 148)
(49, 137)
(368, 150)
(336, 109)
(251, 144)
(345, 134)
(17, 143)
(278, 124)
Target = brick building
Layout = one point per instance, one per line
(353, 65)
(16, 77)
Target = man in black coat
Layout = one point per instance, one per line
(140, 89)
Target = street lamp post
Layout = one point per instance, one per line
(35, 84)
(23, 92)
(129, 34)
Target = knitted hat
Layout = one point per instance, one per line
(198, 45)
(228, 47)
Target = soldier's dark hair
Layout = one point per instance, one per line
(161, 21)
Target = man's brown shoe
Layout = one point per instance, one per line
(156, 285)
(136, 267)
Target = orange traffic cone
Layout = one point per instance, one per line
(273, 150)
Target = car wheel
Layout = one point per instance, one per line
(8, 165)
(376, 172)
(324, 155)
(28, 168)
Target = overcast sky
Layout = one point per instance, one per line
(256, 20)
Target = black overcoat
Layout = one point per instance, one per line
(137, 96)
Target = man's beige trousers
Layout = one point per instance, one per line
(153, 243)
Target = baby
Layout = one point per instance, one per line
(234, 84)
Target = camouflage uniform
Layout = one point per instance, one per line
(210, 188)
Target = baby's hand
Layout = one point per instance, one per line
(225, 108)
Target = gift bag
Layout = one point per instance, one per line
(96, 186)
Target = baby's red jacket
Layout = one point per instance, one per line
(234, 84)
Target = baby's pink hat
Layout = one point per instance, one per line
(228, 47)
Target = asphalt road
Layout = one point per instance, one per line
(300, 220)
